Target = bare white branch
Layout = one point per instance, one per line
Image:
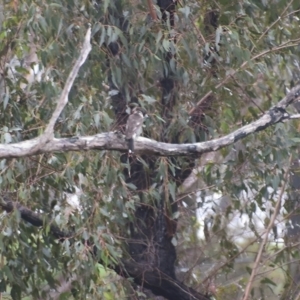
(64, 97)
(296, 116)
(115, 141)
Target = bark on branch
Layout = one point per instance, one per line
(31, 217)
(64, 97)
(115, 141)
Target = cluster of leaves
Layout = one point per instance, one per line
(256, 60)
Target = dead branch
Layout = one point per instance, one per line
(115, 141)
(265, 239)
(64, 97)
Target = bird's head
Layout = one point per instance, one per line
(139, 110)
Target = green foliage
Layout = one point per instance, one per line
(256, 61)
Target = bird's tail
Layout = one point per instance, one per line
(130, 143)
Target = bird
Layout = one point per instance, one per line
(134, 126)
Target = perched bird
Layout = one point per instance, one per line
(134, 126)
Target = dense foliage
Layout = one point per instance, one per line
(201, 70)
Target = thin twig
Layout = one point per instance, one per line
(217, 268)
(244, 64)
(245, 93)
(198, 31)
(276, 21)
(292, 12)
(264, 242)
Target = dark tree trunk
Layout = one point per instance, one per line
(152, 254)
